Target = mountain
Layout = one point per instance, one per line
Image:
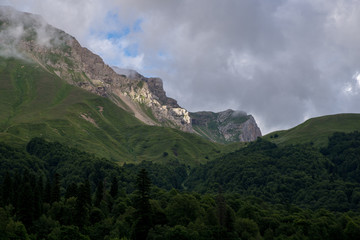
(59, 100)
(316, 130)
(29, 36)
(223, 127)
(37, 103)
(53, 88)
(226, 126)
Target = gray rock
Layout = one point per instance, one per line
(227, 126)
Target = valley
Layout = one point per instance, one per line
(89, 151)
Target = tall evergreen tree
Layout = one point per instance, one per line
(114, 189)
(7, 189)
(16, 194)
(47, 191)
(99, 194)
(38, 201)
(143, 213)
(82, 205)
(87, 192)
(25, 209)
(40, 184)
(55, 189)
(221, 207)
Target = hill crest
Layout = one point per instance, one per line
(317, 130)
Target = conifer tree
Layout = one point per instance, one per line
(16, 194)
(82, 205)
(114, 189)
(40, 184)
(47, 192)
(38, 200)
(55, 189)
(25, 209)
(221, 207)
(87, 192)
(99, 194)
(143, 212)
(6, 189)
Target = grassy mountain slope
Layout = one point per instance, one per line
(37, 103)
(316, 130)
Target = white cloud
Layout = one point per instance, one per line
(357, 78)
(281, 60)
(113, 51)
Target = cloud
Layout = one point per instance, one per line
(115, 52)
(282, 61)
(17, 27)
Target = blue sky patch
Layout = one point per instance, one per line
(137, 25)
(118, 34)
(131, 50)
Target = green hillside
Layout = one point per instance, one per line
(37, 103)
(316, 130)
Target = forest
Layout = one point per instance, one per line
(262, 191)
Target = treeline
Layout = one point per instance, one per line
(45, 159)
(51, 191)
(154, 213)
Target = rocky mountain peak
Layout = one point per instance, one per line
(226, 126)
(31, 37)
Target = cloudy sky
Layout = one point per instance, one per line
(282, 61)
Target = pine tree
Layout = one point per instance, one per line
(114, 189)
(81, 208)
(55, 189)
(38, 199)
(221, 207)
(99, 194)
(47, 192)
(87, 192)
(25, 209)
(7, 189)
(40, 184)
(143, 208)
(16, 195)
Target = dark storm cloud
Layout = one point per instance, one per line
(281, 60)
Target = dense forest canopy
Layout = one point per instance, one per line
(263, 191)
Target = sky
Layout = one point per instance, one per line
(283, 61)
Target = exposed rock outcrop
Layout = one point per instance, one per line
(226, 126)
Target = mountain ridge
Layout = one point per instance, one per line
(63, 55)
(225, 126)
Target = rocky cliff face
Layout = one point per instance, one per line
(227, 126)
(29, 36)
(62, 54)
